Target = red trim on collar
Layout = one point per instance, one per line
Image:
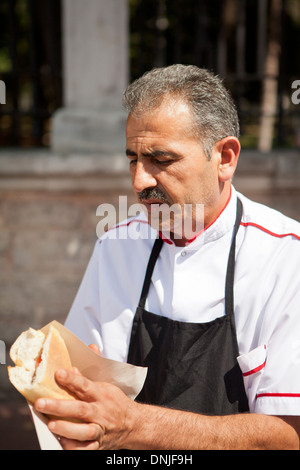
(169, 242)
(201, 231)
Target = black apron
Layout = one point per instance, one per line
(191, 366)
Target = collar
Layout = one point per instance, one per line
(223, 223)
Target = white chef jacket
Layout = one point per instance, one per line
(188, 284)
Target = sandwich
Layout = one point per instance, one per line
(37, 356)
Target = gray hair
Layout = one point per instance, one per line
(214, 112)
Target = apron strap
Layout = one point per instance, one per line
(229, 300)
(151, 263)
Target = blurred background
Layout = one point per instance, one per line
(64, 65)
(253, 44)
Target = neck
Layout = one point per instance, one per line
(214, 212)
(211, 214)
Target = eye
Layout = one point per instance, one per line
(163, 162)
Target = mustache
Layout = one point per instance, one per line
(153, 193)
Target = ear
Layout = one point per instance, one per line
(228, 150)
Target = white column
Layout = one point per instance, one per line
(95, 74)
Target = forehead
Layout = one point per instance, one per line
(172, 119)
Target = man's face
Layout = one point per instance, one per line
(167, 164)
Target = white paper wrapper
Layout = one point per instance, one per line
(127, 377)
(46, 439)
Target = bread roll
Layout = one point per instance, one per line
(37, 357)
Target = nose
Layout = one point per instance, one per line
(142, 177)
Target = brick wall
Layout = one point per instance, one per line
(45, 242)
(47, 233)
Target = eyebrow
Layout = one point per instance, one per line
(153, 154)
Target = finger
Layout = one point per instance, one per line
(69, 444)
(67, 409)
(95, 348)
(76, 383)
(81, 432)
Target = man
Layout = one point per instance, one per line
(214, 316)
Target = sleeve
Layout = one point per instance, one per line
(83, 318)
(271, 371)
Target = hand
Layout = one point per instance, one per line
(102, 409)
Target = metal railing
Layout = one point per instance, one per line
(234, 38)
(30, 67)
